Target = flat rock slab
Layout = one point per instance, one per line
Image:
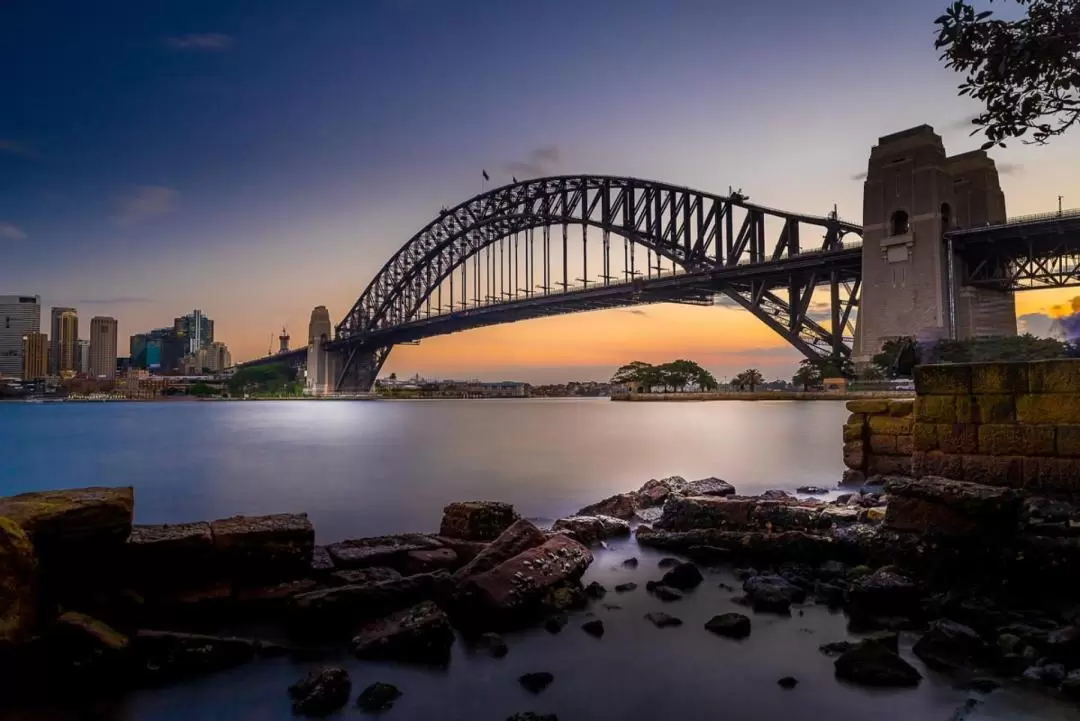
(662, 620)
(256, 545)
(169, 656)
(592, 529)
(363, 576)
(520, 536)
(430, 559)
(528, 576)
(169, 552)
(334, 606)
(477, 520)
(420, 633)
(379, 551)
(72, 517)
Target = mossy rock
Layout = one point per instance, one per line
(73, 516)
(868, 405)
(18, 583)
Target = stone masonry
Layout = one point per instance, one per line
(878, 438)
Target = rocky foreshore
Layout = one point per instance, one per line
(981, 579)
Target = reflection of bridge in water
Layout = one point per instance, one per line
(938, 258)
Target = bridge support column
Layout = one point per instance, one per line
(913, 194)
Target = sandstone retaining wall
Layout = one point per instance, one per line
(878, 438)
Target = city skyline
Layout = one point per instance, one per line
(276, 158)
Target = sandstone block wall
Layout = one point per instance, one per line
(1005, 424)
(878, 438)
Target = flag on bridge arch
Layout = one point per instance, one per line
(486, 176)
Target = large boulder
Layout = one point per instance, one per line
(949, 645)
(939, 507)
(710, 486)
(772, 594)
(872, 664)
(520, 536)
(334, 608)
(621, 505)
(883, 593)
(525, 579)
(163, 656)
(170, 554)
(420, 633)
(389, 551)
(656, 491)
(591, 529)
(321, 692)
(477, 520)
(684, 513)
(81, 644)
(276, 547)
(757, 545)
(18, 584)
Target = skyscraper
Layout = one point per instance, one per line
(19, 315)
(35, 356)
(197, 330)
(103, 347)
(82, 357)
(65, 343)
(55, 352)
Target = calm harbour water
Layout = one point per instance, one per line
(371, 468)
(368, 468)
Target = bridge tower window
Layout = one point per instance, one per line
(899, 224)
(946, 216)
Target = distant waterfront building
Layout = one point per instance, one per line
(19, 316)
(196, 329)
(137, 350)
(66, 341)
(35, 356)
(283, 341)
(320, 378)
(103, 332)
(82, 357)
(63, 339)
(214, 359)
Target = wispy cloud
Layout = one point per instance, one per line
(201, 42)
(1009, 168)
(14, 147)
(145, 202)
(539, 162)
(10, 231)
(638, 312)
(859, 176)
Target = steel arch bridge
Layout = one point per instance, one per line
(495, 259)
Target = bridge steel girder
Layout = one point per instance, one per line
(697, 232)
(1022, 254)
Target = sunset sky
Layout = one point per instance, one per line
(254, 160)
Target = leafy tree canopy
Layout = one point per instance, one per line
(898, 357)
(274, 378)
(675, 375)
(1025, 72)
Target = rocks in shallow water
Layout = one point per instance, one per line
(942, 507)
(524, 579)
(1050, 674)
(622, 505)
(787, 682)
(556, 623)
(321, 563)
(664, 593)
(274, 546)
(630, 563)
(591, 529)
(536, 682)
(835, 648)
(684, 577)
(872, 664)
(772, 594)
(530, 716)
(518, 538)
(168, 656)
(1070, 687)
(949, 645)
(361, 576)
(813, 490)
(829, 595)
(594, 628)
(85, 643)
(18, 584)
(595, 590)
(494, 644)
(158, 554)
(707, 487)
(884, 592)
(662, 620)
(465, 550)
(668, 562)
(427, 560)
(335, 607)
(477, 520)
(421, 633)
(625, 587)
(730, 625)
(378, 697)
(321, 692)
(565, 597)
(379, 551)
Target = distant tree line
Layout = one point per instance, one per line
(676, 376)
(277, 379)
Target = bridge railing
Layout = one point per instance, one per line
(1026, 219)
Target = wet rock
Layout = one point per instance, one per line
(465, 550)
(662, 620)
(729, 625)
(277, 546)
(428, 560)
(888, 639)
(625, 587)
(775, 495)
(595, 590)
(168, 656)
(1061, 644)
(871, 664)
(82, 644)
(788, 682)
(622, 505)
(884, 592)
(333, 608)
(684, 577)
(630, 563)
(1051, 674)
(949, 645)
(530, 716)
(519, 537)
(378, 697)
(760, 546)
(594, 628)
(655, 491)
(835, 648)
(159, 554)
(852, 478)
(556, 623)
(707, 487)
(829, 595)
(565, 597)
(494, 644)
(527, 577)
(321, 692)
(536, 682)
(1070, 687)
(592, 529)
(477, 520)
(270, 597)
(379, 551)
(649, 515)
(938, 507)
(813, 490)
(18, 584)
(965, 709)
(321, 563)
(668, 562)
(983, 685)
(664, 593)
(772, 594)
(421, 633)
(363, 576)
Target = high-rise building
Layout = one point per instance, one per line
(103, 347)
(19, 316)
(66, 342)
(35, 356)
(165, 349)
(138, 350)
(57, 340)
(82, 357)
(197, 330)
